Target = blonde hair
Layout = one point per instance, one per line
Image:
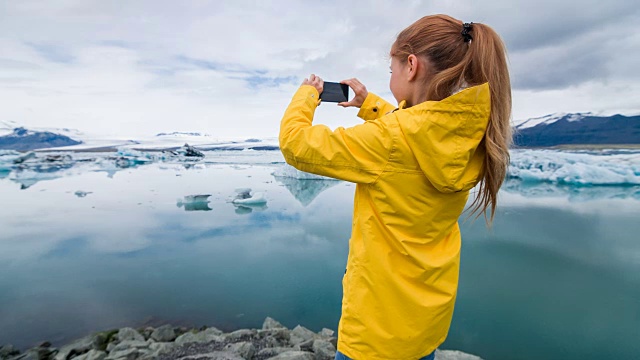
(458, 62)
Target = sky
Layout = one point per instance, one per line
(229, 68)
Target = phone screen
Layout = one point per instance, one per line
(334, 92)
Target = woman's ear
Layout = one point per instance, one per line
(412, 67)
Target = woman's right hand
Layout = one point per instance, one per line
(360, 91)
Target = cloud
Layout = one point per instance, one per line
(230, 68)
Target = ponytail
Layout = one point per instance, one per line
(467, 55)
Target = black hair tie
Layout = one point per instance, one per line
(466, 27)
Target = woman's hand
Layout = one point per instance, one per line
(316, 82)
(358, 89)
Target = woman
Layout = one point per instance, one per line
(414, 167)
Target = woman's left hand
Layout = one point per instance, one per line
(315, 81)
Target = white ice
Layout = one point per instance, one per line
(244, 196)
(572, 168)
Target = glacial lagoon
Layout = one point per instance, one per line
(90, 246)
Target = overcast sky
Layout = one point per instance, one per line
(229, 68)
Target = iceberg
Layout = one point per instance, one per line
(246, 202)
(575, 168)
(195, 202)
(81, 193)
(256, 199)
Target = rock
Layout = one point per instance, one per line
(454, 355)
(129, 334)
(164, 334)
(272, 342)
(326, 332)
(306, 345)
(324, 350)
(300, 334)
(130, 344)
(206, 336)
(7, 351)
(129, 354)
(294, 355)
(81, 346)
(244, 349)
(29, 355)
(92, 355)
(37, 353)
(270, 323)
(333, 341)
(242, 334)
(147, 332)
(272, 351)
(156, 349)
(216, 355)
(180, 330)
(281, 334)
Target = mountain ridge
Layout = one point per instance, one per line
(545, 131)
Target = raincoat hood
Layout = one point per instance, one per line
(444, 137)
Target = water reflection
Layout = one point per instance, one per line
(572, 193)
(194, 203)
(553, 278)
(305, 191)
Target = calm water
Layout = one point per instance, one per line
(558, 276)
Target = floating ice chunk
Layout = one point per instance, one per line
(244, 197)
(243, 193)
(188, 150)
(81, 193)
(9, 153)
(257, 199)
(195, 202)
(197, 198)
(22, 158)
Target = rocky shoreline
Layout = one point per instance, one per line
(273, 341)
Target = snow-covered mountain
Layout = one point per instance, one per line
(550, 119)
(545, 131)
(577, 128)
(22, 139)
(182, 133)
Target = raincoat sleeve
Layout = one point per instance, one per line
(374, 107)
(357, 154)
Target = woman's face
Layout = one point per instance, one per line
(399, 83)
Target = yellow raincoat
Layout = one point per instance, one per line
(414, 168)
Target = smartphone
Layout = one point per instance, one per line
(334, 92)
